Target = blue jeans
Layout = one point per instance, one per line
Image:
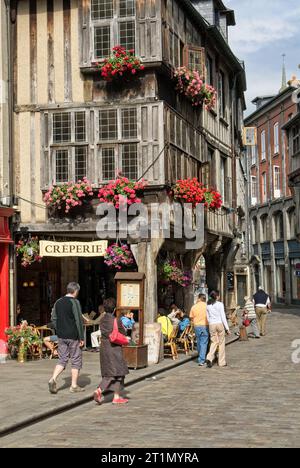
(202, 335)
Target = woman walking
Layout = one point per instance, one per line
(218, 326)
(113, 366)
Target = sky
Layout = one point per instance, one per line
(265, 30)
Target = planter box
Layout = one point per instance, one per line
(136, 356)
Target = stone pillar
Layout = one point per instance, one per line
(145, 254)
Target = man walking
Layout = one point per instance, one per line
(198, 316)
(262, 304)
(67, 319)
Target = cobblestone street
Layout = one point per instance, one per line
(252, 403)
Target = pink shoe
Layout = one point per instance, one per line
(98, 398)
(120, 401)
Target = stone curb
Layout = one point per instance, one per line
(4, 431)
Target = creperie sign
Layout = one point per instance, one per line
(73, 249)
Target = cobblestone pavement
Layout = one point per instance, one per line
(252, 403)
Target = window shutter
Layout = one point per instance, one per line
(149, 35)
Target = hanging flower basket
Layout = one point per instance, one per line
(192, 191)
(119, 256)
(120, 191)
(28, 251)
(122, 65)
(170, 271)
(192, 86)
(68, 196)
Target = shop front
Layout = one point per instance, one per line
(63, 261)
(5, 241)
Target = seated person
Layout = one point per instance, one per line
(184, 323)
(20, 319)
(127, 320)
(51, 341)
(174, 315)
(166, 324)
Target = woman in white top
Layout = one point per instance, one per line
(218, 326)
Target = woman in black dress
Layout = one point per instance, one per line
(113, 366)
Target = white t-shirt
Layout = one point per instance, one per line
(216, 314)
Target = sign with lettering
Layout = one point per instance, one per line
(250, 136)
(73, 249)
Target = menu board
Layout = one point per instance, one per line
(130, 295)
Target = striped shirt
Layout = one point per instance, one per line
(250, 310)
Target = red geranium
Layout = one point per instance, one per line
(192, 191)
(122, 64)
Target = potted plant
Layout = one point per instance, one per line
(22, 337)
(68, 196)
(121, 65)
(192, 86)
(119, 256)
(192, 191)
(28, 250)
(122, 190)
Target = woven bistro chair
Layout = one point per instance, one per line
(171, 343)
(183, 341)
(191, 337)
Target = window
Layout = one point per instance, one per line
(129, 123)
(264, 228)
(222, 94)
(209, 71)
(279, 226)
(253, 190)
(223, 177)
(108, 163)
(205, 175)
(113, 23)
(69, 146)
(263, 145)
(62, 127)
(102, 9)
(116, 126)
(277, 182)
(276, 138)
(264, 187)
(129, 161)
(296, 139)
(80, 163)
(254, 231)
(62, 166)
(196, 60)
(108, 125)
(253, 152)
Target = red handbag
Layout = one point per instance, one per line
(246, 323)
(116, 337)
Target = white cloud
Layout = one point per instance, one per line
(262, 24)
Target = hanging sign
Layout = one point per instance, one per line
(73, 249)
(250, 136)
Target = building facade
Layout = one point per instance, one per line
(69, 123)
(276, 252)
(5, 175)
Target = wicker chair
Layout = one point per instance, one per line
(183, 341)
(171, 343)
(191, 337)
